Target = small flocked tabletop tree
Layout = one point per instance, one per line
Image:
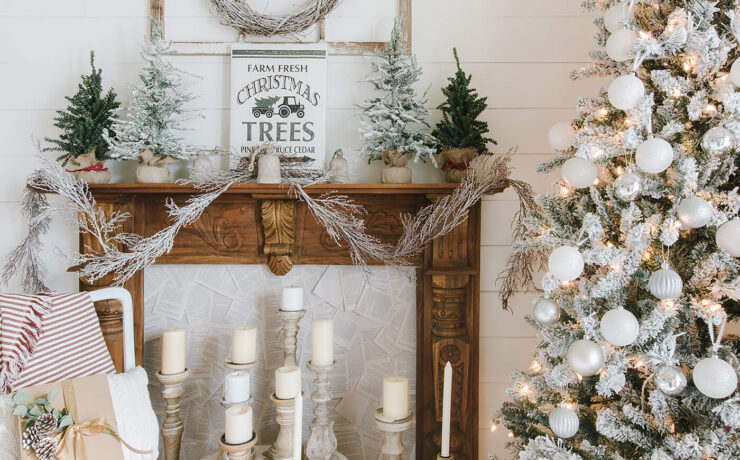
(394, 123)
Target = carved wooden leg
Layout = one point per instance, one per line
(172, 391)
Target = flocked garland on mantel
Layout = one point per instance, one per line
(240, 16)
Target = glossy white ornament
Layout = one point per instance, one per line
(619, 327)
(717, 141)
(566, 263)
(715, 378)
(564, 422)
(560, 136)
(694, 212)
(580, 173)
(735, 72)
(654, 155)
(628, 186)
(620, 44)
(615, 17)
(626, 92)
(546, 312)
(585, 357)
(670, 379)
(665, 283)
(728, 237)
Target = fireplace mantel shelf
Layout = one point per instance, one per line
(265, 224)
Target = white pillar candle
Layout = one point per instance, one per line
(446, 402)
(244, 345)
(395, 398)
(322, 342)
(298, 428)
(268, 169)
(292, 299)
(236, 387)
(238, 424)
(173, 351)
(287, 382)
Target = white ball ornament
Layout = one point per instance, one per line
(735, 72)
(619, 327)
(580, 173)
(715, 378)
(615, 17)
(670, 379)
(628, 186)
(585, 357)
(566, 263)
(620, 44)
(694, 212)
(654, 155)
(626, 92)
(564, 422)
(560, 136)
(665, 284)
(728, 237)
(717, 141)
(546, 312)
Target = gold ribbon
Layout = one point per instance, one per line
(75, 434)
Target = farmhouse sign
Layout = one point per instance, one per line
(278, 96)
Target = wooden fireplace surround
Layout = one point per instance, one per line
(262, 224)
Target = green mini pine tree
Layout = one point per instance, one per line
(460, 127)
(87, 117)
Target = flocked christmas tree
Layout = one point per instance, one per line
(157, 112)
(460, 127)
(642, 241)
(396, 119)
(86, 119)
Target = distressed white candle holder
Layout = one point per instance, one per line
(322, 443)
(285, 418)
(440, 457)
(235, 367)
(172, 428)
(290, 335)
(244, 451)
(392, 447)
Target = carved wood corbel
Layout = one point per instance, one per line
(278, 223)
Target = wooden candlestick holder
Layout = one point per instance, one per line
(322, 443)
(172, 391)
(440, 457)
(243, 451)
(392, 447)
(235, 367)
(285, 417)
(290, 335)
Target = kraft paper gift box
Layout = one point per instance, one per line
(87, 399)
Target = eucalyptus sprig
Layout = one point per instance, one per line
(19, 402)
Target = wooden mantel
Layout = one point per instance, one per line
(263, 224)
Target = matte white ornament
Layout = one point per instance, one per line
(717, 141)
(694, 212)
(670, 379)
(566, 263)
(715, 378)
(620, 44)
(735, 72)
(665, 283)
(728, 237)
(619, 327)
(340, 167)
(560, 136)
(585, 357)
(546, 312)
(615, 17)
(626, 92)
(580, 173)
(654, 155)
(628, 186)
(564, 422)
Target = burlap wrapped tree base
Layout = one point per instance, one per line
(395, 170)
(455, 163)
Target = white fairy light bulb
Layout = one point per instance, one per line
(579, 173)
(566, 263)
(619, 327)
(560, 136)
(654, 155)
(620, 45)
(728, 237)
(616, 16)
(626, 92)
(694, 212)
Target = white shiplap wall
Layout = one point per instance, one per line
(520, 53)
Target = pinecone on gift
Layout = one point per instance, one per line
(31, 437)
(45, 424)
(46, 448)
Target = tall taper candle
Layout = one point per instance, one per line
(244, 345)
(322, 342)
(287, 382)
(446, 401)
(173, 351)
(238, 424)
(291, 299)
(395, 398)
(298, 428)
